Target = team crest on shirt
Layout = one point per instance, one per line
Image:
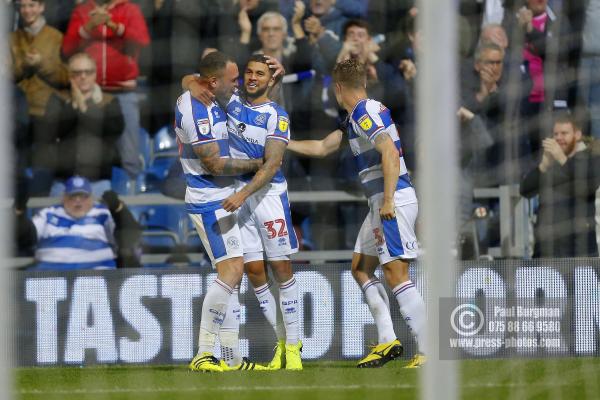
(365, 122)
(260, 119)
(283, 124)
(237, 110)
(233, 243)
(203, 126)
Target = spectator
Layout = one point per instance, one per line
(566, 180)
(35, 50)
(81, 132)
(589, 80)
(546, 47)
(294, 54)
(325, 19)
(485, 96)
(80, 234)
(228, 12)
(112, 33)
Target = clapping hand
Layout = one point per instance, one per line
(313, 26)
(554, 150)
(33, 57)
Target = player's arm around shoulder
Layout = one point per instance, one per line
(209, 155)
(317, 148)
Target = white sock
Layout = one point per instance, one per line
(380, 311)
(412, 308)
(214, 308)
(230, 331)
(266, 299)
(288, 298)
(383, 293)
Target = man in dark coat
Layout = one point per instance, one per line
(566, 180)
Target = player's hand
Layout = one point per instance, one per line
(386, 212)
(299, 8)
(554, 150)
(200, 92)
(234, 201)
(275, 64)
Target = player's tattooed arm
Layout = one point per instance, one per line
(274, 151)
(210, 156)
(390, 164)
(317, 148)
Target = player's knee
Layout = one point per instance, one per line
(257, 276)
(359, 275)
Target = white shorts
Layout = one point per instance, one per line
(266, 226)
(389, 239)
(220, 234)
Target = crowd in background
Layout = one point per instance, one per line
(89, 74)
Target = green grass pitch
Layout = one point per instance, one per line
(560, 378)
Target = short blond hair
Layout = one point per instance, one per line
(350, 73)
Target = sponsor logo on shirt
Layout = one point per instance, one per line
(365, 122)
(283, 124)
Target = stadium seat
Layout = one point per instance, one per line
(162, 154)
(120, 181)
(161, 226)
(145, 148)
(191, 240)
(164, 143)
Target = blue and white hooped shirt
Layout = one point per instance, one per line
(250, 127)
(196, 125)
(369, 119)
(68, 243)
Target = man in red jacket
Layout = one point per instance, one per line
(112, 33)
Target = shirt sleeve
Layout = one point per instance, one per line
(368, 120)
(278, 127)
(199, 130)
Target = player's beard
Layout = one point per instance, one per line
(569, 147)
(257, 94)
